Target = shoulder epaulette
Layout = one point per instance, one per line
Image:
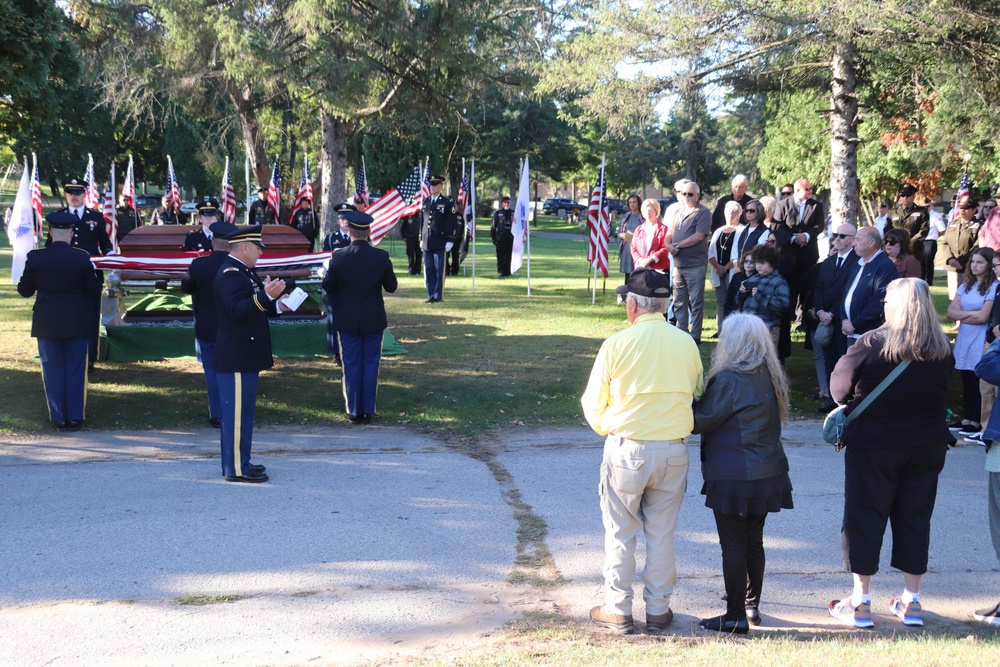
(231, 268)
(81, 250)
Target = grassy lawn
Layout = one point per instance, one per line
(478, 361)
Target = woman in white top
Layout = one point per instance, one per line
(754, 232)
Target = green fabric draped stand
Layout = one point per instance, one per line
(152, 343)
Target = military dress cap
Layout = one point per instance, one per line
(358, 220)
(906, 190)
(208, 206)
(75, 185)
(61, 220)
(646, 282)
(504, 199)
(436, 180)
(344, 208)
(248, 235)
(223, 230)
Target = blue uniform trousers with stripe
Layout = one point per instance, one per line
(64, 374)
(238, 398)
(434, 274)
(360, 355)
(204, 351)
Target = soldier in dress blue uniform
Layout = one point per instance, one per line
(242, 348)
(90, 235)
(66, 283)
(354, 281)
(200, 284)
(334, 241)
(440, 225)
(201, 239)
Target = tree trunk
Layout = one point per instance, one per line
(333, 164)
(844, 135)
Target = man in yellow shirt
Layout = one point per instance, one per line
(640, 393)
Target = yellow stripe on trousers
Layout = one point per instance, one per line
(238, 424)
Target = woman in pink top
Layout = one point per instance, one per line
(650, 240)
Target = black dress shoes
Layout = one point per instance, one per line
(257, 469)
(723, 624)
(70, 425)
(366, 419)
(250, 478)
(753, 616)
(430, 300)
(215, 422)
(354, 419)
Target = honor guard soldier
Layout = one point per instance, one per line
(440, 225)
(304, 220)
(208, 214)
(502, 233)
(89, 234)
(242, 349)
(200, 284)
(62, 319)
(260, 214)
(354, 283)
(127, 216)
(334, 241)
(410, 228)
(911, 217)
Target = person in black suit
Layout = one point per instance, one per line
(828, 295)
(864, 290)
(803, 216)
(440, 224)
(127, 216)
(354, 283)
(200, 284)
(66, 283)
(91, 235)
(410, 228)
(502, 233)
(242, 348)
(201, 239)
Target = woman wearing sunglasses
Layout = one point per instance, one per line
(897, 248)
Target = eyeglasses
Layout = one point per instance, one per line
(690, 194)
(748, 260)
(840, 236)
(890, 242)
(786, 194)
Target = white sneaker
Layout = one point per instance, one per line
(975, 439)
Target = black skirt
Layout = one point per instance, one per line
(746, 497)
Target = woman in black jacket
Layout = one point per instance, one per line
(895, 448)
(745, 469)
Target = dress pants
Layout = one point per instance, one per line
(641, 489)
(742, 542)
(434, 267)
(238, 397)
(361, 354)
(930, 250)
(64, 375)
(454, 257)
(689, 292)
(505, 248)
(414, 256)
(898, 486)
(204, 351)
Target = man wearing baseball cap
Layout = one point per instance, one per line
(645, 413)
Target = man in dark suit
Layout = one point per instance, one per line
(61, 321)
(440, 223)
(208, 215)
(410, 228)
(803, 216)
(354, 284)
(89, 234)
(739, 194)
(829, 293)
(242, 348)
(200, 284)
(862, 308)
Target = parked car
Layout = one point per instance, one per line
(147, 201)
(616, 205)
(553, 205)
(189, 208)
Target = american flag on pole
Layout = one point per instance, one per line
(305, 189)
(392, 206)
(128, 187)
(228, 197)
(274, 192)
(92, 198)
(599, 223)
(36, 191)
(173, 190)
(963, 188)
(416, 205)
(362, 197)
(110, 219)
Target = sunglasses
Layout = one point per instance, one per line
(749, 260)
(892, 242)
(750, 210)
(786, 194)
(690, 194)
(967, 208)
(841, 236)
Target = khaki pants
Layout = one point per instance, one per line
(642, 486)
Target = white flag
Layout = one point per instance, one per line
(21, 230)
(520, 229)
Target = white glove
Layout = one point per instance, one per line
(448, 246)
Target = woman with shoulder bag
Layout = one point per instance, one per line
(895, 448)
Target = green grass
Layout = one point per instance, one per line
(481, 361)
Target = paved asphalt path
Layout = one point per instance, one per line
(377, 543)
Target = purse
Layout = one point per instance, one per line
(823, 335)
(837, 421)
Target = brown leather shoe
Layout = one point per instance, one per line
(657, 623)
(620, 624)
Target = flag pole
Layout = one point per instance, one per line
(527, 231)
(465, 222)
(246, 170)
(114, 193)
(472, 198)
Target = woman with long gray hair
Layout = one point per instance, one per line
(743, 463)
